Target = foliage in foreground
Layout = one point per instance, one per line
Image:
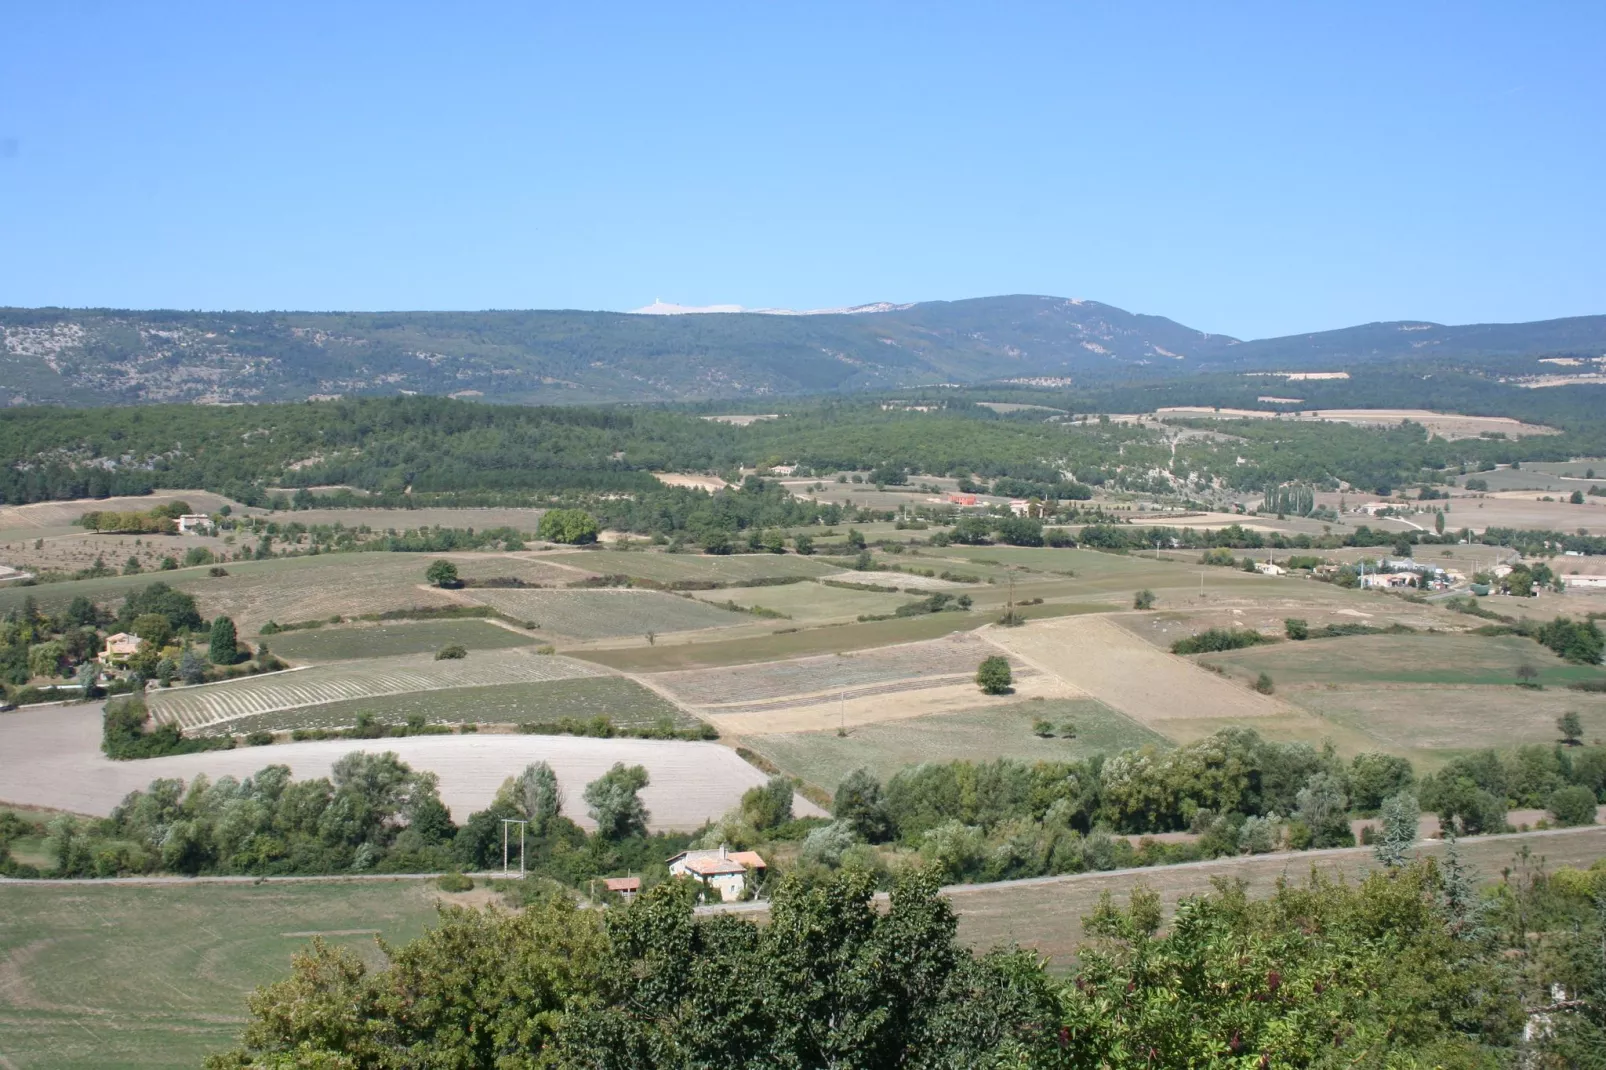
(1402, 970)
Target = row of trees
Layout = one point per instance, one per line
(1409, 968)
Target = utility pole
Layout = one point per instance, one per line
(506, 821)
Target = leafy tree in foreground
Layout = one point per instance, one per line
(615, 804)
(993, 676)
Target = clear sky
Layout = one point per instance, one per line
(1251, 169)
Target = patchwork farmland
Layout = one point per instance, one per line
(392, 640)
(212, 704)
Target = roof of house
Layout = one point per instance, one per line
(124, 639)
(622, 884)
(714, 867)
(719, 861)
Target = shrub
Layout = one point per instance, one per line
(1144, 599)
(455, 882)
(1215, 639)
(258, 739)
(1264, 684)
(452, 652)
(1296, 629)
(994, 677)
(1572, 806)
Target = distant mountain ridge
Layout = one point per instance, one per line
(104, 356)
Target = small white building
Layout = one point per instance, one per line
(195, 524)
(1020, 507)
(1388, 579)
(783, 469)
(1268, 568)
(1582, 583)
(724, 870)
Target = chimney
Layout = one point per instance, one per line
(722, 854)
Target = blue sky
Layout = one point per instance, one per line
(1243, 168)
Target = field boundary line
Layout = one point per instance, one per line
(661, 691)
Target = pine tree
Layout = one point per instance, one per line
(224, 648)
(1399, 817)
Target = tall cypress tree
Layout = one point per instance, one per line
(224, 648)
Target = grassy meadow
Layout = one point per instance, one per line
(346, 643)
(824, 758)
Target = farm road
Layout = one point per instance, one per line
(51, 758)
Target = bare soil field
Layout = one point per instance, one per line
(978, 734)
(209, 704)
(714, 688)
(1167, 694)
(681, 479)
(525, 520)
(1046, 914)
(1444, 424)
(64, 514)
(54, 760)
(1524, 509)
(877, 703)
(603, 612)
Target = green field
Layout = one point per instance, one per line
(1413, 659)
(824, 758)
(337, 643)
(129, 976)
(625, 702)
(1431, 724)
(599, 614)
(808, 603)
(667, 568)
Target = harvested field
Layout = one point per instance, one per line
(626, 703)
(681, 479)
(65, 513)
(712, 689)
(1003, 731)
(810, 603)
(667, 568)
(1431, 724)
(344, 642)
(875, 703)
(61, 767)
(399, 520)
(1046, 914)
(1162, 692)
(209, 704)
(1413, 659)
(1444, 424)
(596, 614)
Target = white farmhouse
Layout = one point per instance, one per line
(195, 524)
(724, 870)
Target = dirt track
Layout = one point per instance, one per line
(51, 758)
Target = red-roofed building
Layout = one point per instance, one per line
(625, 886)
(724, 870)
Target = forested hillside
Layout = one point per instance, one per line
(410, 450)
(101, 356)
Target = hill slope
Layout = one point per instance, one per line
(99, 356)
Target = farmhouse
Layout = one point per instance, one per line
(723, 870)
(783, 469)
(195, 524)
(1268, 568)
(627, 887)
(120, 647)
(1388, 579)
(962, 499)
(1596, 583)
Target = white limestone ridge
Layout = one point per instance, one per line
(660, 307)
